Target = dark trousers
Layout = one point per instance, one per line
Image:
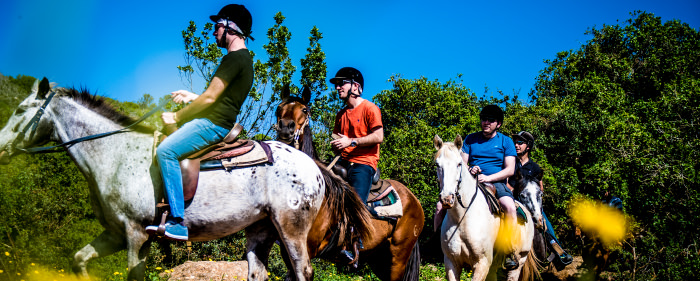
(360, 178)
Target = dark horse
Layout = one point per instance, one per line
(392, 252)
(528, 191)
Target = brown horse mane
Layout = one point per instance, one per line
(337, 196)
(102, 106)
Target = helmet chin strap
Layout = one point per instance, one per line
(351, 93)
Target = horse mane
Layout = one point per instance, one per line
(102, 106)
(338, 195)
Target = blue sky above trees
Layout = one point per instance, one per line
(123, 49)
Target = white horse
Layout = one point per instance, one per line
(469, 230)
(529, 193)
(125, 185)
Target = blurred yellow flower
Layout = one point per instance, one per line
(602, 221)
(7, 254)
(159, 268)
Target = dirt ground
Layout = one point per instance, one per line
(209, 270)
(238, 270)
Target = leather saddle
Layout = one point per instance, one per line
(495, 206)
(380, 188)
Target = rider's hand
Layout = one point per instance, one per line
(341, 143)
(475, 170)
(168, 118)
(183, 96)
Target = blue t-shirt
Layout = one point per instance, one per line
(489, 154)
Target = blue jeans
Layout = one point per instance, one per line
(190, 138)
(550, 228)
(360, 178)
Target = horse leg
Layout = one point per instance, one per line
(260, 237)
(452, 270)
(293, 230)
(483, 270)
(138, 248)
(105, 244)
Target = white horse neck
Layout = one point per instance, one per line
(467, 191)
(102, 157)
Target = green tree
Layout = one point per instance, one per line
(622, 116)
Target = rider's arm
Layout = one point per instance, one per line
(507, 171)
(376, 137)
(206, 99)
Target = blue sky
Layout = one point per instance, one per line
(123, 49)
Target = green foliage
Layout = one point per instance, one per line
(621, 115)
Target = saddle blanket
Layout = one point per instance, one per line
(386, 205)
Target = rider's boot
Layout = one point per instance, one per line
(563, 257)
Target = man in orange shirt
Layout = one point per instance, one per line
(359, 125)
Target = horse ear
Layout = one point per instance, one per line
(437, 142)
(306, 95)
(285, 92)
(44, 88)
(458, 141)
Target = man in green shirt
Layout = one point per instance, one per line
(210, 116)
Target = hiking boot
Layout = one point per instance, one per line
(345, 257)
(174, 231)
(566, 259)
(510, 263)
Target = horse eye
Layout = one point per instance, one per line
(19, 111)
(305, 110)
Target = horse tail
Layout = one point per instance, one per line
(531, 268)
(412, 271)
(346, 207)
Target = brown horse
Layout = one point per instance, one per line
(392, 252)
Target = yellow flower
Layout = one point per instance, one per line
(7, 254)
(32, 264)
(36, 272)
(116, 273)
(159, 268)
(1, 271)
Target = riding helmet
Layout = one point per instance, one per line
(237, 14)
(527, 137)
(349, 73)
(492, 111)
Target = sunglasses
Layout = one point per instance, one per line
(520, 142)
(343, 82)
(488, 119)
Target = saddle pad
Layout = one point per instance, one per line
(522, 217)
(260, 153)
(388, 206)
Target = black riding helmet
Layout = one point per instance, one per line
(348, 73)
(237, 14)
(527, 137)
(492, 111)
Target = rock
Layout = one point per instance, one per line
(209, 270)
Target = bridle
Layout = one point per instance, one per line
(34, 122)
(300, 132)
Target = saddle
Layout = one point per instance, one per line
(228, 154)
(495, 206)
(383, 200)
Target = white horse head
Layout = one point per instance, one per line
(19, 132)
(529, 193)
(451, 170)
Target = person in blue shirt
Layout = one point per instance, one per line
(490, 156)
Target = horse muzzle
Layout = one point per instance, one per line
(448, 201)
(4, 157)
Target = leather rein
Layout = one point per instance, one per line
(34, 122)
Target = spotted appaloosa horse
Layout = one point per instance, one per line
(469, 230)
(125, 185)
(392, 252)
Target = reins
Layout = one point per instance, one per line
(459, 196)
(62, 147)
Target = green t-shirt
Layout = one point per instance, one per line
(237, 69)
